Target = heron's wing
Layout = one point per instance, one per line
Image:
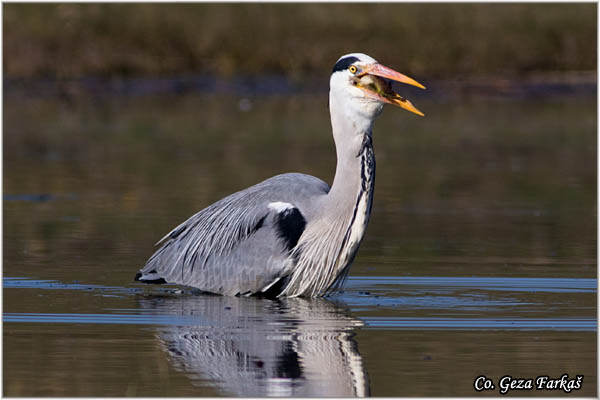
(242, 243)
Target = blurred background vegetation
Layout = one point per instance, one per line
(436, 41)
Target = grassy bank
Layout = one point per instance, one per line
(296, 40)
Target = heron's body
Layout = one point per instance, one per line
(290, 235)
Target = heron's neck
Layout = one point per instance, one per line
(355, 170)
(328, 245)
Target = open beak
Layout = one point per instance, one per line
(381, 89)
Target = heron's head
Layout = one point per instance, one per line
(363, 85)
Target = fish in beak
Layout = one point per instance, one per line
(376, 80)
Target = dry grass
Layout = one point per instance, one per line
(435, 40)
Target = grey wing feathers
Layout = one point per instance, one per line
(238, 245)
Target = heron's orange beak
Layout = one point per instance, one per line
(382, 89)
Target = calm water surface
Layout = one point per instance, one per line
(480, 258)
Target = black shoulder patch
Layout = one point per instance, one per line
(344, 63)
(290, 224)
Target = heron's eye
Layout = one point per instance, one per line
(352, 69)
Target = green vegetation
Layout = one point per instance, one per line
(296, 40)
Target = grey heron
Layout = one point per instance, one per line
(290, 235)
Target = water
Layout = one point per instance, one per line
(480, 258)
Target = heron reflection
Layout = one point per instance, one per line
(255, 347)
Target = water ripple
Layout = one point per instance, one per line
(465, 303)
(570, 324)
(565, 285)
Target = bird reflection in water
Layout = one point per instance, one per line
(254, 347)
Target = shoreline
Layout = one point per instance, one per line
(574, 83)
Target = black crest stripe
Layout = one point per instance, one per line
(344, 63)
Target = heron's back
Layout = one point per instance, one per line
(242, 243)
